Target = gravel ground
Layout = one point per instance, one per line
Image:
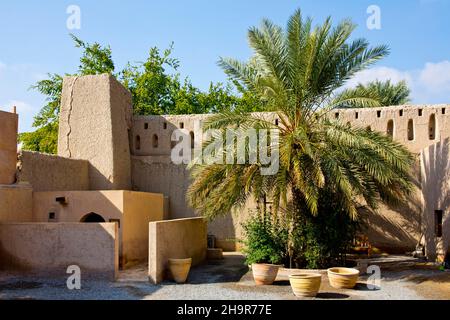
(222, 280)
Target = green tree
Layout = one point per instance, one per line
(296, 74)
(155, 86)
(157, 91)
(94, 60)
(387, 93)
(150, 84)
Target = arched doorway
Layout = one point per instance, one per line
(92, 218)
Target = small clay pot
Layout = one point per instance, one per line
(179, 269)
(343, 278)
(264, 274)
(305, 284)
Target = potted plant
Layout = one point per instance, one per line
(343, 278)
(305, 284)
(264, 247)
(179, 269)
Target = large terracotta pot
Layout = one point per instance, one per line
(305, 284)
(264, 274)
(179, 269)
(343, 278)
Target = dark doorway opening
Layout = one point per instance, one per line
(92, 218)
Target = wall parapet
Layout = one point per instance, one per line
(415, 126)
(47, 172)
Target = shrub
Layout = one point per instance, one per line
(302, 240)
(322, 241)
(265, 240)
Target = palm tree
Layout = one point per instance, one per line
(296, 74)
(387, 93)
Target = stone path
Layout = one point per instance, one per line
(225, 279)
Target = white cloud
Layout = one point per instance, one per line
(430, 84)
(436, 76)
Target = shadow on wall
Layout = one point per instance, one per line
(436, 191)
(92, 247)
(395, 229)
(101, 181)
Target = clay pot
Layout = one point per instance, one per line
(343, 278)
(305, 284)
(264, 274)
(179, 269)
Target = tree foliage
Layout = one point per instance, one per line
(156, 91)
(387, 93)
(155, 86)
(266, 240)
(297, 74)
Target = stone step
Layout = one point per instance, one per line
(214, 254)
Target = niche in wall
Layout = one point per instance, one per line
(432, 127)
(410, 129)
(390, 128)
(137, 143)
(191, 134)
(155, 141)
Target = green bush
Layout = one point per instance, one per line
(265, 240)
(322, 241)
(302, 240)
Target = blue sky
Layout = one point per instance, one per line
(34, 39)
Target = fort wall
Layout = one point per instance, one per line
(8, 147)
(131, 210)
(16, 203)
(395, 229)
(435, 170)
(105, 147)
(50, 248)
(52, 173)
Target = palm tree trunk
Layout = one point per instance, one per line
(298, 220)
(299, 206)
